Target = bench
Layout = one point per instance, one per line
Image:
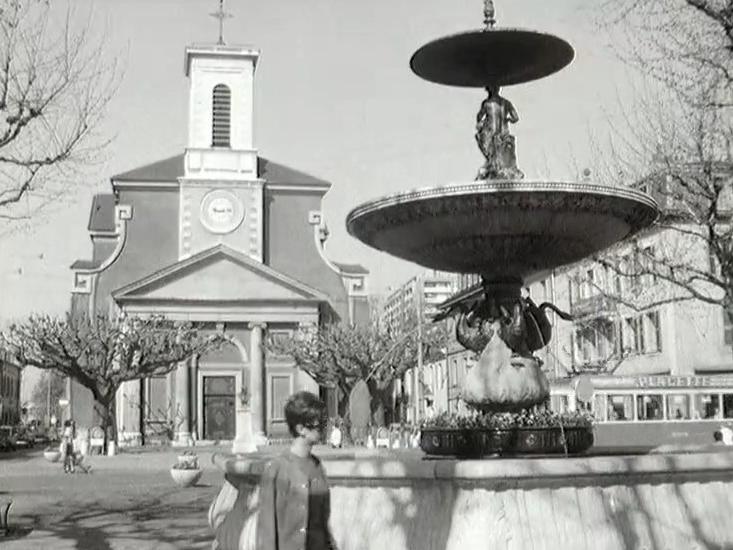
(382, 438)
(96, 440)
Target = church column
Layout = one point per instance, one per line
(193, 395)
(257, 380)
(181, 412)
(250, 426)
(129, 413)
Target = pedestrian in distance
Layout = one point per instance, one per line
(294, 507)
(67, 447)
(336, 437)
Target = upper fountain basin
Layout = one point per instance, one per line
(493, 57)
(502, 229)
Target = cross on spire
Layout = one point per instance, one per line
(221, 15)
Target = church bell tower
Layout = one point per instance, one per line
(221, 195)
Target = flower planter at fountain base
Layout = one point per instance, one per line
(571, 440)
(475, 443)
(468, 443)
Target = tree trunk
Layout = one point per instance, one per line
(381, 408)
(343, 412)
(105, 408)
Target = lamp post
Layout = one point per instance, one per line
(48, 398)
(418, 368)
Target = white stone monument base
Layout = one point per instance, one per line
(397, 500)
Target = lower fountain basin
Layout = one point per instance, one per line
(397, 500)
(502, 229)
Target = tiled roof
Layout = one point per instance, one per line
(171, 169)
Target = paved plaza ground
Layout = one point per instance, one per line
(127, 501)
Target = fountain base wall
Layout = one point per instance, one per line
(402, 502)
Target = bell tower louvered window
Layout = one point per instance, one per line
(221, 117)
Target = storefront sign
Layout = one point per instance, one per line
(683, 381)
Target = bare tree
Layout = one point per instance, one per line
(101, 354)
(675, 141)
(685, 44)
(55, 84)
(46, 394)
(341, 355)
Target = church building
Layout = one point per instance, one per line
(226, 239)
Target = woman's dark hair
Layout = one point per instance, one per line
(304, 408)
(718, 435)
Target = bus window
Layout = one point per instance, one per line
(600, 407)
(649, 407)
(559, 403)
(584, 407)
(705, 405)
(728, 405)
(678, 406)
(620, 407)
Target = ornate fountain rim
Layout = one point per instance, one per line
(497, 186)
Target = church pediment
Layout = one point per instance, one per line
(219, 274)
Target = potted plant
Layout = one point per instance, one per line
(52, 454)
(186, 471)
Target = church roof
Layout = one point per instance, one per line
(352, 269)
(218, 252)
(171, 169)
(102, 214)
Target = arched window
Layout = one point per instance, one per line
(221, 116)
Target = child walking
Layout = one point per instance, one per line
(294, 504)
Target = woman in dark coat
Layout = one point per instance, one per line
(294, 505)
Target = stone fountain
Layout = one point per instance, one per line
(510, 231)
(501, 226)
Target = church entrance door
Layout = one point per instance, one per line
(219, 407)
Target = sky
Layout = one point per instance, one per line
(334, 97)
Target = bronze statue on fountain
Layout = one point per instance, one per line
(505, 329)
(493, 137)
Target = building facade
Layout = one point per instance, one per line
(226, 239)
(399, 310)
(10, 377)
(422, 293)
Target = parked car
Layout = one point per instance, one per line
(40, 438)
(7, 438)
(24, 438)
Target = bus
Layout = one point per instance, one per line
(649, 411)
